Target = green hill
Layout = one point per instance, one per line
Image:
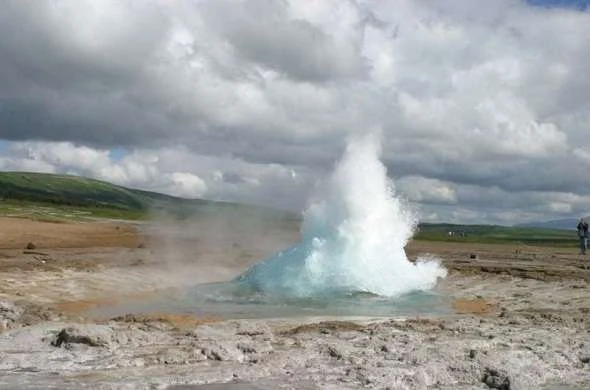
(68, 190)
(64, 196)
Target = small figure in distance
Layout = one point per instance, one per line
(583, 235)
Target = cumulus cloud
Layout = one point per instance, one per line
(492, 98)
(174, 171)
(422, 190)
(278, 36)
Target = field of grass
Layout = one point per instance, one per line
(51, 212)
(497, 234)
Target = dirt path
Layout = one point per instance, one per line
(16, 233)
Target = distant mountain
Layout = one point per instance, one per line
(566, 223)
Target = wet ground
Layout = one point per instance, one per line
(519, 316)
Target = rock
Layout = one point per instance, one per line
(325, 327)
(584, 353)
(335, 353)
(177, 356)
(247, 348)
(247, 329)
(495, 379)
(9, 314)
(93, 336)
(255, 347)
(222, 351)
(30, 246)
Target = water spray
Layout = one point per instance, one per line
(353, 238)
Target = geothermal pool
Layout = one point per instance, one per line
(350, 260)
(227, 301)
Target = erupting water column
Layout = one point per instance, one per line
(353, 238)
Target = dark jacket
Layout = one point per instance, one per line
(583, 229)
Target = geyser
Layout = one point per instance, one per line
(353, 238)
(350, 261)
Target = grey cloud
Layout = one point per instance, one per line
(493, 205)
(536, 175)
(54, 45)
(492, 95)
(65, 86)
(262, 32)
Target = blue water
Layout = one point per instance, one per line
(232, 300)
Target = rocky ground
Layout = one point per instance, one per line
(520, 318)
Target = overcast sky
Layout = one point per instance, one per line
(484, 106)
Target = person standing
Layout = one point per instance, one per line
(583, 235)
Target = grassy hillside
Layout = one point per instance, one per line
(50, 196)
(67, 190)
